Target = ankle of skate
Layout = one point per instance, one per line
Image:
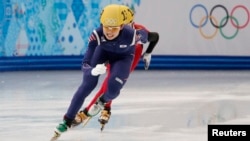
(96, 108)
(104, 117)
(80, 117)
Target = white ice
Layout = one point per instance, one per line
(154, 105)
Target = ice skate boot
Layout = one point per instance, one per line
(61, 128)
(104, 117)
(81, 117)
(96, 108)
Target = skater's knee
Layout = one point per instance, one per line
(117, 81)
(89, 82)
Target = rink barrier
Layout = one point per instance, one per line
(158, 62)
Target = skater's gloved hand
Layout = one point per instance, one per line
(146, 59)
(99, 69)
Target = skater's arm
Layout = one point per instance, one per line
(153, 38)
(92, 43)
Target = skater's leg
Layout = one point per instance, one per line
(138, 52)
(101, 91)
(106, 112)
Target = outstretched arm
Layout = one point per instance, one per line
(153, 38)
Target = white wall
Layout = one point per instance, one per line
(177, 35)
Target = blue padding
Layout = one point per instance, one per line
(159, 62)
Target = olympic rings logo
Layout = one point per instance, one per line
(218, 25)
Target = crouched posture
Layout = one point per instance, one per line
(112, 42)
(153, 38)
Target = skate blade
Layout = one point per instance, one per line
(86, 121)
(102, 126)
(55, 137)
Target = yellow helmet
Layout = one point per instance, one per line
(112, 15)
(129, 13)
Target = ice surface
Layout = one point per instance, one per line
(154, 105)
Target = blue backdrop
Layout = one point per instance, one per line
(49, 27)
(53, 35)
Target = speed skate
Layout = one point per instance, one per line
(57, 133)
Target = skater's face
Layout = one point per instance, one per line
(111, 32)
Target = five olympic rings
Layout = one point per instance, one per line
(219, 24)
